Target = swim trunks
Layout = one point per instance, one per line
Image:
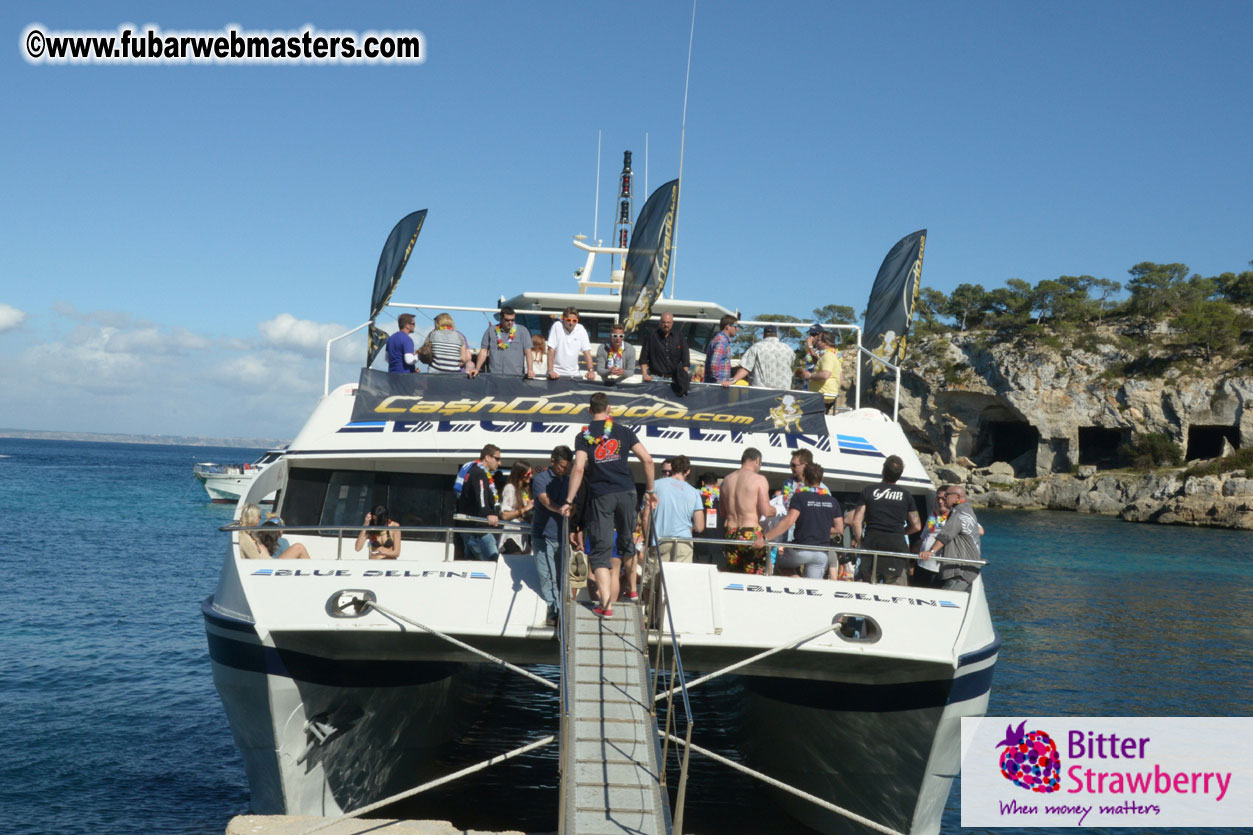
(747, 558)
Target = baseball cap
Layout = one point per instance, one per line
(769, 330)
(815, 329)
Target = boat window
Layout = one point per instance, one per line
(332, 498)
(540, 323)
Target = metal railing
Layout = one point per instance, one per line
(339, 530)
(896, 398)
(659, 611)
(829, 549)
(563, 732)
(612, 315)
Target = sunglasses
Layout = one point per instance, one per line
(616, 335)
(572, 319)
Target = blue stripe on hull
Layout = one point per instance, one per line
(874, 698)
(312, 669)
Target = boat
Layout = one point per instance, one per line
(334, 707)
(225, 483)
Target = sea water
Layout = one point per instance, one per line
(111, 723)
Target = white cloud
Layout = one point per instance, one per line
(310, 338)
(109, 318)
(10, 317)
(152, 378)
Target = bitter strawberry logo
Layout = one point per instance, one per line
(1030, 759)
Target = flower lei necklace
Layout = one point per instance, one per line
(501, 342)
(491, 481)
(615, 357)
(791, 488)
(709, 495)
(445, 327)
(595, 442)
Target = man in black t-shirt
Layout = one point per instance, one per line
(817, 517)
(601, 454)
(664, 351)
(889, 516)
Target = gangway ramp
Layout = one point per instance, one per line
(611, 777)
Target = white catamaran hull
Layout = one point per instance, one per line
(333, 714)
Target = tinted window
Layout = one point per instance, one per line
(342, 497)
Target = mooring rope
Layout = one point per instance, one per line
(500, 758)
(770, 781)
(513, 667)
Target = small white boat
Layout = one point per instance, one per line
(226, 483)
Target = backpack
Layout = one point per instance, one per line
(461, 477)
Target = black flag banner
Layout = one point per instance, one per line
(392, 263)
(417, 397)
(892, 298)
(648, 259)
(378, 338)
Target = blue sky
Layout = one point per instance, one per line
(180, 240)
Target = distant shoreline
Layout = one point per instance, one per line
(162, 440)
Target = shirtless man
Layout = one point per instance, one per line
(745, 499)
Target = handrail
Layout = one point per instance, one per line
(563, 589)
(660, 596)
(326, 383)
(896, 398)
(840, 549)
(446, 530)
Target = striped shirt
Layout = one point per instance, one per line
(446, 346)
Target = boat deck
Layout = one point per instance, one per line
(611, 777)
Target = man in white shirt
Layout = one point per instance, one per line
(566, 341)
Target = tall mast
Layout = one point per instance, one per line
(625, 214)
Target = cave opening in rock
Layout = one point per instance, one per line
(1207, 441)
(1005, 440)
(1098, 445)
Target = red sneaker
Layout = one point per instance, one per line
(604, 613)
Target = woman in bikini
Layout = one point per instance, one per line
(384, 545)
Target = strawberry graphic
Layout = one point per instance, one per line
(1030, 760)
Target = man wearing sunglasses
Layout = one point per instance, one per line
(504, 348)
(615, 359)
(566, 342)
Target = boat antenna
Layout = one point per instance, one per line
(646, 162)
(674, 245)
(596, 208)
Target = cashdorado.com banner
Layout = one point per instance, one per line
(385, 396)
(1126, 772)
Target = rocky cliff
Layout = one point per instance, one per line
(1045, 421)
